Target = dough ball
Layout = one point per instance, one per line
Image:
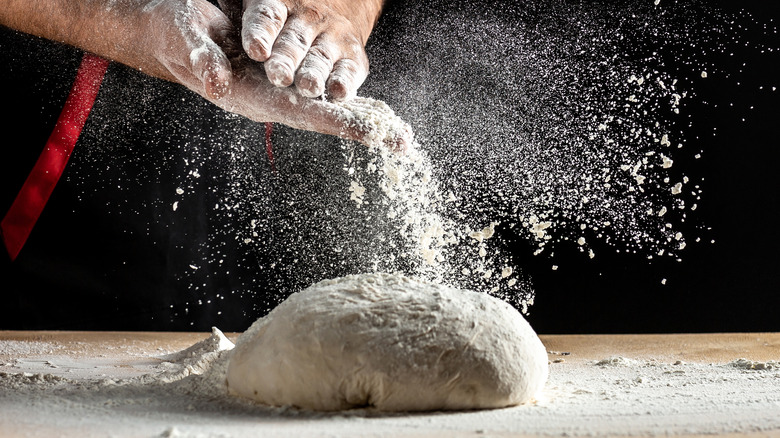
(391, 342)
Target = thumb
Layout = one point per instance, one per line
(212, 68)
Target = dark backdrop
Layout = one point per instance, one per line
(97, 261)
(732, 284)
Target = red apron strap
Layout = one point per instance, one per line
(28, 205)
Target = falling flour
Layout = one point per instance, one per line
(434, 243)
(566, 129)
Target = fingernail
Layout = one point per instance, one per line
(337, 90)
(216, 86)
(256, 46)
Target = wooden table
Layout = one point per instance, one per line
(124, 354)
(702, 348)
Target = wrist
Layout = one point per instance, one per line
(127, 31)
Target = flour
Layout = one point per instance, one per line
(746, 364)
(356, 192)
(616, 361)
(551, 125)
(625, 395)
(200, 366)
(19, 348)
(433, 240)
(538, 145)
(375, 118)
(412, 196)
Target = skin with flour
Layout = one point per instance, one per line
(317, 48)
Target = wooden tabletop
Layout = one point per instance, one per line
(704, 348)
(86, 355)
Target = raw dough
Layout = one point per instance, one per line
(391, 342)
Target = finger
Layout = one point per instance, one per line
(356, 121)
(210, 65)
(347, 76)
(261, 24)
(288, 51)
(314, 70)
(365, 120)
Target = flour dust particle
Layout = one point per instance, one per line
(558, 124)
(567, 124)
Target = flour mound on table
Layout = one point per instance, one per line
(390, 342)
(616, 361)
(202, 358)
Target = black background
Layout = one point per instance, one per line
(730, 285)
(66, 279)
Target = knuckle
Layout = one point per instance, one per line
(257, 34)
(322, 53)
(298, 38)
(292, 40)
(314, 13)
(349, 66)
(309, 84)
(270, 14)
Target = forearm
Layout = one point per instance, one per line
(112, 29)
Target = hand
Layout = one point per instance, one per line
(198, 45)
(194, 43)
(318, 46)
(362, 119)
(190, 40)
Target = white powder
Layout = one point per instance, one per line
(356, 192)
(428, 223)
(616, 361)
(485, 233)
(746, 364)
(183, 394)
(412, 195)
(12, 349)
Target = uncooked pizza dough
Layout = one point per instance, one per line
(391, 342)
